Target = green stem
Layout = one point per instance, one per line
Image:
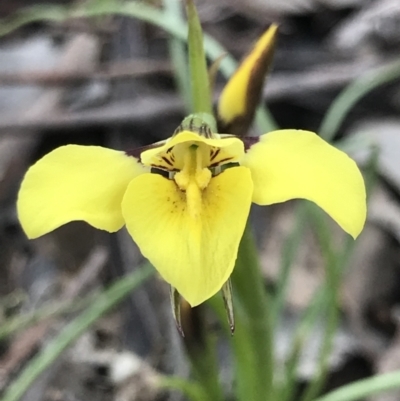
(205, 368)
(201, 95)
(253, 336)
(200, 347)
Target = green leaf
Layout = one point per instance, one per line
(364, 388)
(354, 92)
(178, 55)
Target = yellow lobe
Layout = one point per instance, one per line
(195, 253)
(234, 100)
(290, 164)
(75, 183)
(170, 155)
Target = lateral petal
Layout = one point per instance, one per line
(75, 182)
(289, 164)
(196, 255)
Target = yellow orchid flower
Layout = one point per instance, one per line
(185, 201)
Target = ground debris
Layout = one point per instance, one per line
(113, 86)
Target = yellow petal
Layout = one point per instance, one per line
(240, 97)
(291, 164)
(75, 183)
(194, 253)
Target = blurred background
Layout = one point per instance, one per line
(109, 81)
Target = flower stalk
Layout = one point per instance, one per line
(252, 341)
(200, 83)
